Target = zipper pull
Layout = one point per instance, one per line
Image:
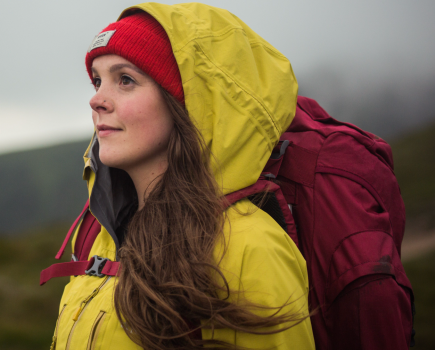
(53, 344)
(84, 302)
(76, 316)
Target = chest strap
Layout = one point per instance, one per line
(96, 266)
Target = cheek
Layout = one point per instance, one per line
(152, 132)
(149, 121)
(147, 126)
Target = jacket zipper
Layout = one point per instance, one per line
(82, 307)
(53, 344)
(95, 330)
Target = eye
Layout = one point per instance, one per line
(96, 82)
(126, 80)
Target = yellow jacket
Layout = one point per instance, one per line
(241, 93)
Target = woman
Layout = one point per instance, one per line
(189, 104)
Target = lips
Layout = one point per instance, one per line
(106, 130)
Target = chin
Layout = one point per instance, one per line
(111, 159)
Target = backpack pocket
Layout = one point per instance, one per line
(361, 254)
(95, 330)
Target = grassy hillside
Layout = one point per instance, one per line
(41, 186)
(414, 158)
(421, 273)
(28, 311)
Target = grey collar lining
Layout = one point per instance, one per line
(113, 194)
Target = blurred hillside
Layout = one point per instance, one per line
(414, 159)
(28, 311)
(41, 186)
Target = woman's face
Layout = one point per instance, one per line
(132, 121)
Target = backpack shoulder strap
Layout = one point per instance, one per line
(71, 230)
(88, 232)
(276, 206)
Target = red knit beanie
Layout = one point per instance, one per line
(140, 39)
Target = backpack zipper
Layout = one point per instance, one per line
(82, 307)
(53, 343)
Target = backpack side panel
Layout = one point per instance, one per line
(349, 213)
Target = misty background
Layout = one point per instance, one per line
(371, 63)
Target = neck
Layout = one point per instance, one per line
(145, 177)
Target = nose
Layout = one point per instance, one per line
(101, 102)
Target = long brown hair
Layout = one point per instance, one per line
(167, 285)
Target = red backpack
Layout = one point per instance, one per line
(332, 188)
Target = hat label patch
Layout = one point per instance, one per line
(101, 40)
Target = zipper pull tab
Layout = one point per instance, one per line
(84, 302)
(53, 344)
(77, 314)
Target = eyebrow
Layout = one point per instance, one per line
(119, 66)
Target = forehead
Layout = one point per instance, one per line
(109, 60)
(113, 63)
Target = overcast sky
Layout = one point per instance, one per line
(45, 88)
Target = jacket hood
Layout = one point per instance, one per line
(239, 91)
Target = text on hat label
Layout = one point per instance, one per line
(101, 40)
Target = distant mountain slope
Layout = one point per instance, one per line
(41, 186)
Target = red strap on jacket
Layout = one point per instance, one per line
(76, 268)
(70, 232)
